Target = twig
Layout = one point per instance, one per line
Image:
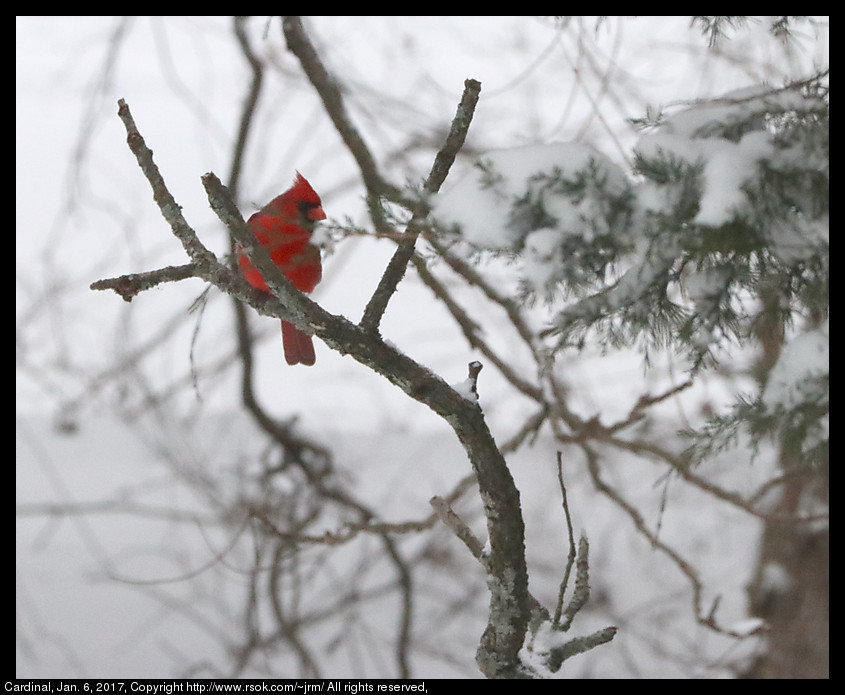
(474, 369)
(572, 553)
(472, 331)
(704, 618)
(581, 594)
(555, 656)
(443, 161)
(128, 286)
(300, 45)
(645, 401)
(170, 209)
(464, 533)
(510, 604)
(579, 645)
(474, 277)
(250, 103)
(280, 433)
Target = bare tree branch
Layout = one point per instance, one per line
(446, 514)
(442, 163)
(129, 286)
(498, 654)
(300, 45)
(170, 210)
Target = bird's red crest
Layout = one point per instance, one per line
(303, 192)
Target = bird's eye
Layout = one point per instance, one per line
(310, 212)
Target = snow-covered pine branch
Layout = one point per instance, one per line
(723, 218)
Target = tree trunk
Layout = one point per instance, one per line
(791, 585)
(791, 588)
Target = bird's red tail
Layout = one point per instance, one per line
(299, 348)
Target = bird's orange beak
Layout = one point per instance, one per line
(316, 214)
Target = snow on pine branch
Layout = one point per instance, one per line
(564, 207)
(722, 193)
(726, 210)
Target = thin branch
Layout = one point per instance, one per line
(129, 286)
(581, 594)
(498, 654)
(300, 45)
(443, 161)
(530, 428)
(510, 607)
(572, 552)
(645, 401)
(704, 618)
(472, 332)
(539, 615)
(472, 276)
(445, 158)
(452, 521)
(250, 103)
(170, 209)
(579, 645)
(279, 432)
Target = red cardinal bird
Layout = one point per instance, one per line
(284, 228)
